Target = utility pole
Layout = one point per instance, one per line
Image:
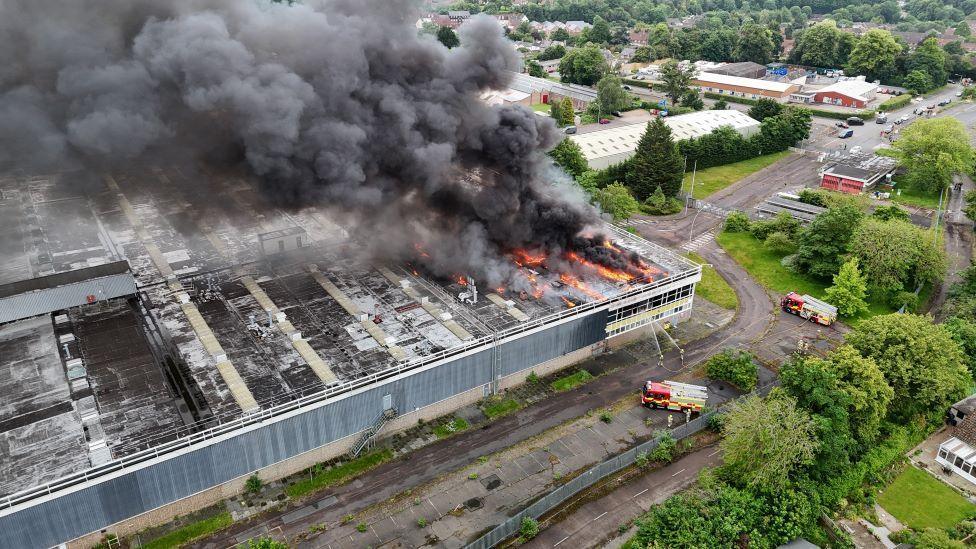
(691, 193)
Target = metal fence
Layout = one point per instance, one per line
(593, 475)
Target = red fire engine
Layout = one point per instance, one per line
(674, 396)
(809, 308)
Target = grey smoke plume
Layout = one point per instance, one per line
(335, 103)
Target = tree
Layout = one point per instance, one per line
(962, 29)
(766, 440)
(566, 112)
(555, 51)
(755, 43)
(849, 290)
(963, 331)
(447, 36)
(616, 200)
(600, 31)
(870, 395)
(584, 66)
(720, 105)
(675, 80)
(610, 96)
(887, 213)
(932, 150)
(970, 208)
(656, 163)
(718, 45)
(821, 246)
(555, 112)
(692, 100)
(874, 56)
(560, 35)
(764, 108)
(643, 54)
(535, 69)
(735, 367)
(917, 82)
(929, 58)
(568, 155)
(896, 255)
(821, 46)
(919, 359)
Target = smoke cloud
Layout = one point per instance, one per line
(337, 103)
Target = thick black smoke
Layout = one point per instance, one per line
(336, 103)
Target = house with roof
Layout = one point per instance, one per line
(510, 20)
(751, 88)
(958, 452)
(639, 37)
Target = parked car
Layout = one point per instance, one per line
(881, 118)
(617, 114)
(959, 94)
(944, 102)
(571, 129)
(902, 120)
(842, 125)
(845, 134)
(626, 87)
(604, 120)
(855, 121)
(888, 129)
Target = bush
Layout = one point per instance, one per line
(642, 460)
(791, 263)
(779, 243)
(864, 115)
(606, 416)
(782, 223)
(253, 484)
(529, 528)
(815, 197)
(716, 421)
(908, 300)
(737, 222)
(895, 102)
(735, 367)
(265, 543)
(421, 522)
(658, 204)
(664, 452)
(532, 378)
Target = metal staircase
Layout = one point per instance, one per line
(368, 437)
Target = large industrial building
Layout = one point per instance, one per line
(603, 148)
(157, 349)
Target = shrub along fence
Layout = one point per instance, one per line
(596, 473)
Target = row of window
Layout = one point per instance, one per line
(651, 303)
(956, 461)
(721, 91)
(647, 320)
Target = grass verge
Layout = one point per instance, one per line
(920, 501)
(764, 266)
(498, 407)
(191, 532)
(339, 473)
(713, 287)
(571, 381)
(711, 180)
(914, 197)
(454, 426)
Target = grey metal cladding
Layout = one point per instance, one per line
(39, 302)
(93, 508)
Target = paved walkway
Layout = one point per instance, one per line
(595, 522)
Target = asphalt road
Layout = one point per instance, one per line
(958, 244)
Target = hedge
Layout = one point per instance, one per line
(895, 102)
(646, 84)
(864, 115)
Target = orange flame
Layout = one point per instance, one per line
(420, 250)
(462, 280)
(578, 284)
(500, 290)
(604, 271)
(523, 258)
(568, 303)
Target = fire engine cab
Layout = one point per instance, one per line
(809, 308)
(673, 395)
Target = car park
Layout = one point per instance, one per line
(855, 121)
(842, 125)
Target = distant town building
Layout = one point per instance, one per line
(510, 20)
(603, 148)
(546, 91)
(639, 37)
(750, 88)
(745, 69)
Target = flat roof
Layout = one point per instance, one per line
(851, 172)
(528, 84)
(624, 139)
(724, 79)
(857, 89)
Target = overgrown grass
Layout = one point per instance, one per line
(542, 107)
(915, 197)
(456, 425)
(920, 501)
(712, 180)
(498, 407)
(765, 267)
(713, 287)
(339, 473)
(571, 381)
(191, 532)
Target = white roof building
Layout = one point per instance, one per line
(855, 89)
(752, 88)
(603, 148)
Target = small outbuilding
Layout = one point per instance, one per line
(850, 179)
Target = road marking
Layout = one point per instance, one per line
(639, 493)
(434, 508)
(600, 516)
(713, 453)
(678, 473)
(560, 541)
(699, 241)
(394, 521)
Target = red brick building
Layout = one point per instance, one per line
(848, 179)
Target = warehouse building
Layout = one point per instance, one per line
(749, 88)
(254, 340)
(603, 148)
(745, 69)
(546, 91)
(855, 93)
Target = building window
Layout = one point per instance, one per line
(958, 462)
(967, 468)
(943, 453)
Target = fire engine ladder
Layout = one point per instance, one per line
(368, 438)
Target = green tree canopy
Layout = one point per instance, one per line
(849, 290)
(600, 31)
(865, 384)
(929, 58)
(616, 200)
(919, 359)
(932, 150)
(610, 96)
(766, 440)
(963, 331)
(568, 155)
(447, 36)
(554, 51)
(764, 108)
(692, 99)
(584, 66)
(718, 45)
(896, 255)
(560, 34)
(918, 81)
(535, 69)
(822, 245)
(755, 43)
(566, 112)
(643, 54)
(675, 80)
(874, 56)
(656, 163)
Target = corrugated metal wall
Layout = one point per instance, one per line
(93, 508)
(40, 302)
